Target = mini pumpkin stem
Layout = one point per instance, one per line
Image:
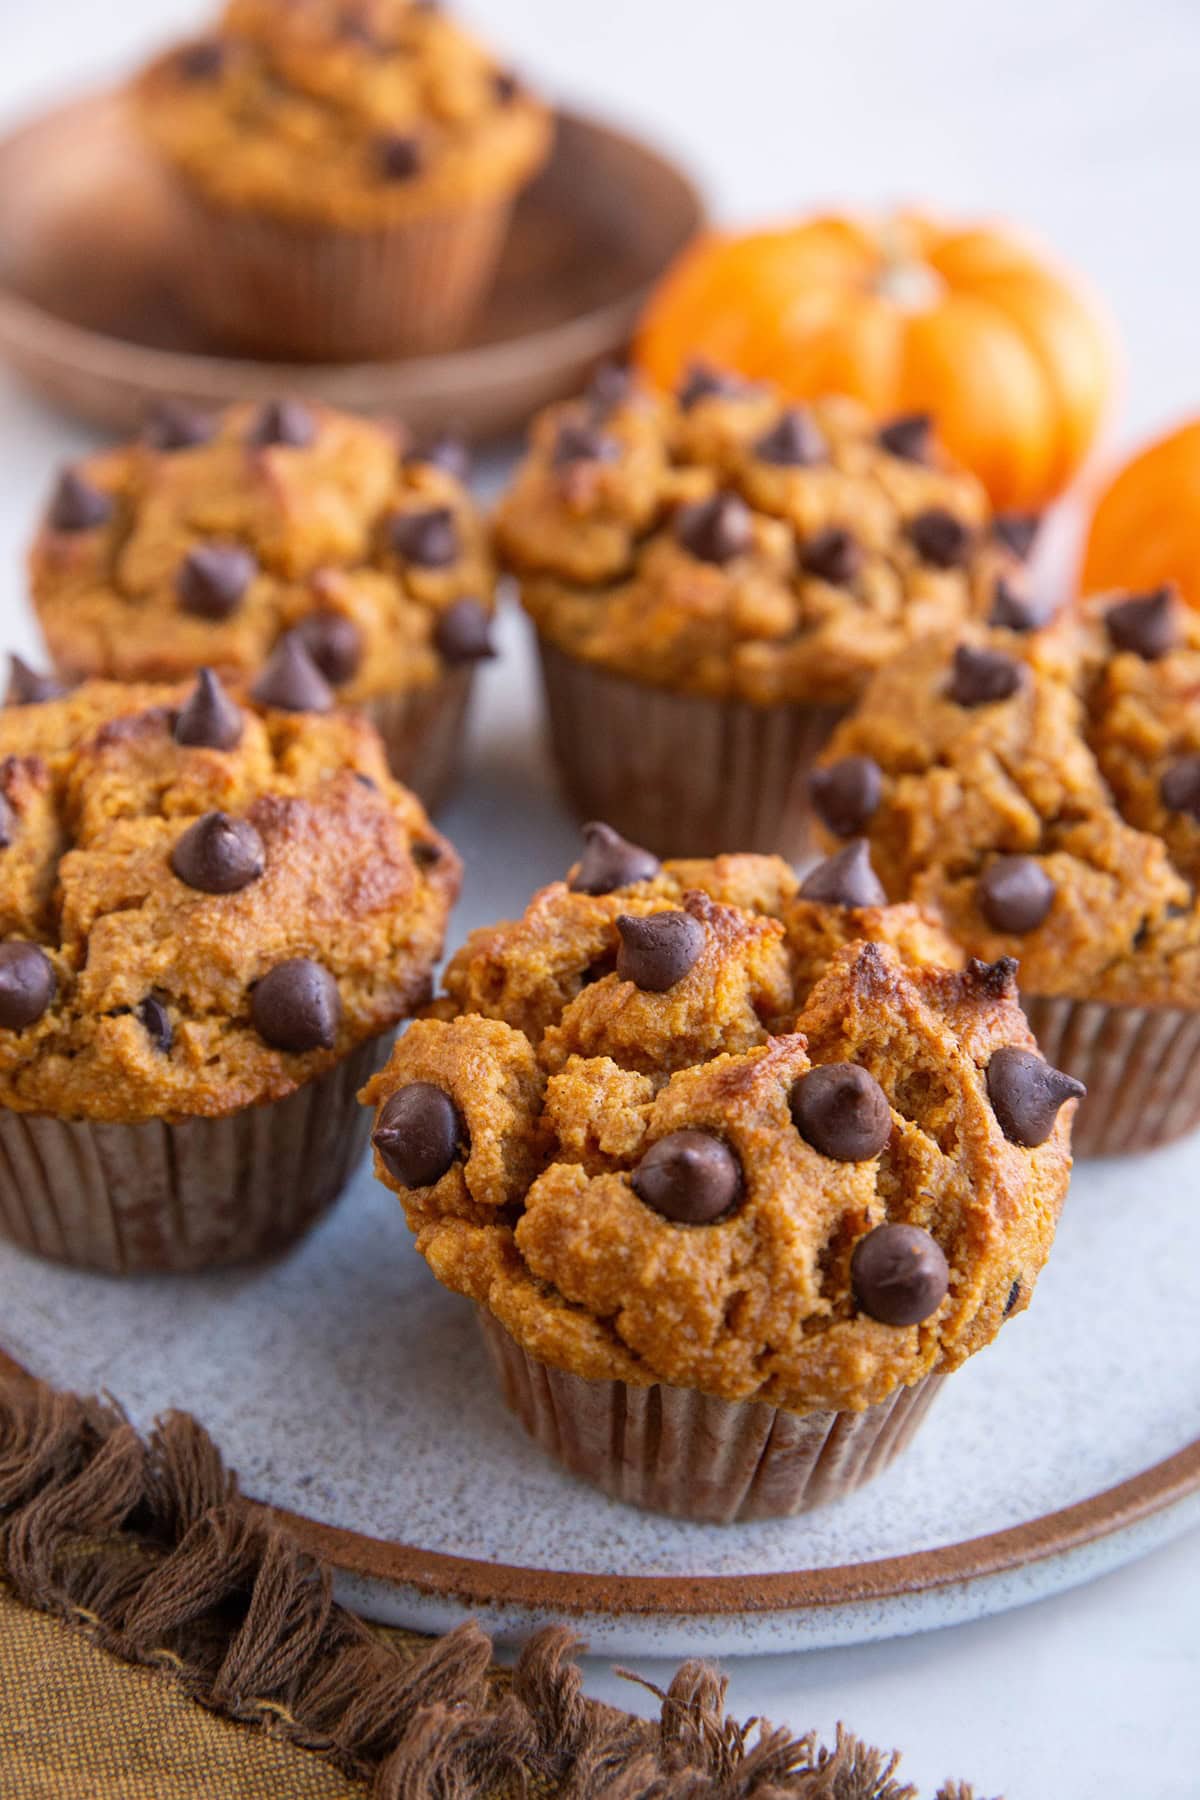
(904, 277)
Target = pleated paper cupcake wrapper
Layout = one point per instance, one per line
(281, 289)
(1140, 1065)
(196, 1194)
(672, 1450)
(423, 732)
(680, 773)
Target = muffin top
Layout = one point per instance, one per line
(654, 1152)
(719, 542)
(203, 902)
(354, 113)
(212, 538)
(1042, 793)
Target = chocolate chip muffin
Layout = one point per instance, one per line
(345, 173)
(714, 577)
(224, 541)
(1042, 794)
(735, 1173)
(213, 912)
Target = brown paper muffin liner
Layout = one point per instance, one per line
(422, 730)
(195, 1194)
(273, 287)
(1140, 1065)
(676, 1451)
(680, 773)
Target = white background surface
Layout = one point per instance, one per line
(1080, 118)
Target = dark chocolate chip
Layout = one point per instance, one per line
(463, 633)
(429, 539)
(334, 643)
(8, 823)
(841, 1111)
(899, 1274)
(939, 538)
(1014, 1294)
(291, 681)
(285, 423)
(203, 61)
(1015, 894)
(369, 782)
(1180, 786)
(832, 555)
(846, 794)
(1013, 610)
(27, 688)
(445, 452)
(419, 1134)
(846, 879)
(998, 980)
(1017, 531)
(983, 676)
(659, 950)
(425, 854)
(578, 443)
(505, 86)
(703, 382)
(1149, 625)
(609, 862)
(27, 984)
(690, 1177)
(1026, 1094)
(793, 442)
(78, 505)
(172, 426)
(611, 386)
(716, 530)
(157, 1023)
(909, 436)
(210, 720)
(213, 579)
(219, 855)
(398, 156)
(297, 1006)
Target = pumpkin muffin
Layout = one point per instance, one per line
(213, 913)
(221, 541)
(1042, 794)
(714, 576)
(735, 1172)
(346, 172)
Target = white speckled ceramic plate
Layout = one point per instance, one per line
(350, 1390)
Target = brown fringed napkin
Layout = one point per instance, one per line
(149, 1614)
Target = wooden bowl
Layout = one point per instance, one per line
(89, 314)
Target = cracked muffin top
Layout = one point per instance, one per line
(720, 543)
(214, 537)
(688, 1124)
(355, 113)
(203, 902)
(1042, 794)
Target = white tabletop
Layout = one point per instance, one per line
(1079, 120)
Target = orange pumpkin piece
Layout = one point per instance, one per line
(968, 323)
(1146, 527)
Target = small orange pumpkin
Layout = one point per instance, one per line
(1146, 527)
(965, 322)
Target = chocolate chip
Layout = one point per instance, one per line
(832, 555)
(202, 62)
(445, 452)
(1026, 1094)
(1015, 894)
(209, 720)
(793, 442)
(703, 382)
(27, 688)
(611, 386)
(426, 855)
(609, 862)
(78, 505)
(899, 1274)
(716, 530)
(8, 823)
(398, 156)
(1017, 531)
(1012, 610)
(983, 676)
(285, 423)
(429, 539)
(370, 783)
(1180, 786)
(334, 643)
(419, 1134)
(1014, 1294)
(690, 1177)
(998, 980)
(578, 443)
(658, 951)
(842, 1112)
(939, 538)
(846, 879)
(291, 681)
(909, 436)
(171, 426)
(1146, 624)
(505, 87)
(297, 1007)
(213, 579)
(27, 984)
(846, 794)
(219, 855)
(463, 633)
(157, 1023)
